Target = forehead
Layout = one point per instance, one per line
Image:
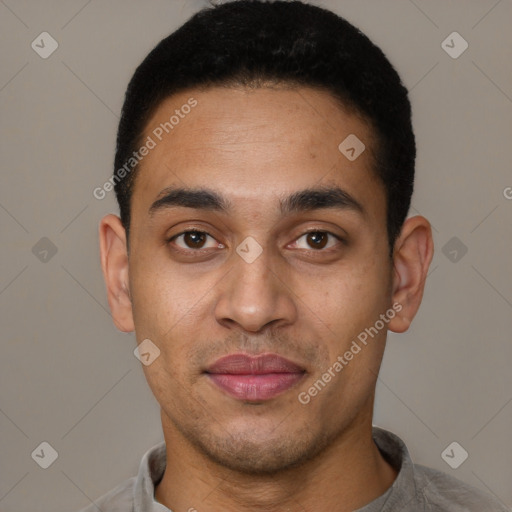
(253, 145)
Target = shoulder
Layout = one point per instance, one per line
(119, 499)
(442, 492)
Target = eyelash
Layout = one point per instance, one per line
(189, 250)
(200, 251)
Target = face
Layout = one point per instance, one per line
(275, 253)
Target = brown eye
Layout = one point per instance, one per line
(317, 239)
(194, 239)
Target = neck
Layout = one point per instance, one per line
(349, 474)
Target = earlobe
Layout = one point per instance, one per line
(413, 253)
(114, 263)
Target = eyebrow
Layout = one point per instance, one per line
(316, 198)
(199, 199)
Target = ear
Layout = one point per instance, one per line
(412, 255)
(114, 263)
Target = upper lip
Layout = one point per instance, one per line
(245, 364)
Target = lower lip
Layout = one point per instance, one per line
(255, 387)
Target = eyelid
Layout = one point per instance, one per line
(192, 230)
(339, 238)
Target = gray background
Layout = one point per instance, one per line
(70, 379)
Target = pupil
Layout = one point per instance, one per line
(194, 239)
(319, 239)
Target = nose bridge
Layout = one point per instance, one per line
(254, 294)
(253, 282)
(252, 269)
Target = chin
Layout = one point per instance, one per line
(255, 453)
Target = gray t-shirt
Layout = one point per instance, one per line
(415, 489)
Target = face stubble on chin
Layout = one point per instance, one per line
(254, 147)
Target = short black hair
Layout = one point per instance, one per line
(251, 42)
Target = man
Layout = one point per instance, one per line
(264, 170)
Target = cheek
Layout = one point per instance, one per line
(349, 307)
(350, 297)
(162, 298)
(167, 384)
(174, 311)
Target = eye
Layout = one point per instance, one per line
(194, 239)
(317, 240)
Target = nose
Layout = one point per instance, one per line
(255, 295)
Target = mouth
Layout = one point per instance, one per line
(254, 378)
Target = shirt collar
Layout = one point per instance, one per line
(403, 490)
(151, 471)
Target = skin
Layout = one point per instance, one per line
(254, 147)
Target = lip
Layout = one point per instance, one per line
(254, 378)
